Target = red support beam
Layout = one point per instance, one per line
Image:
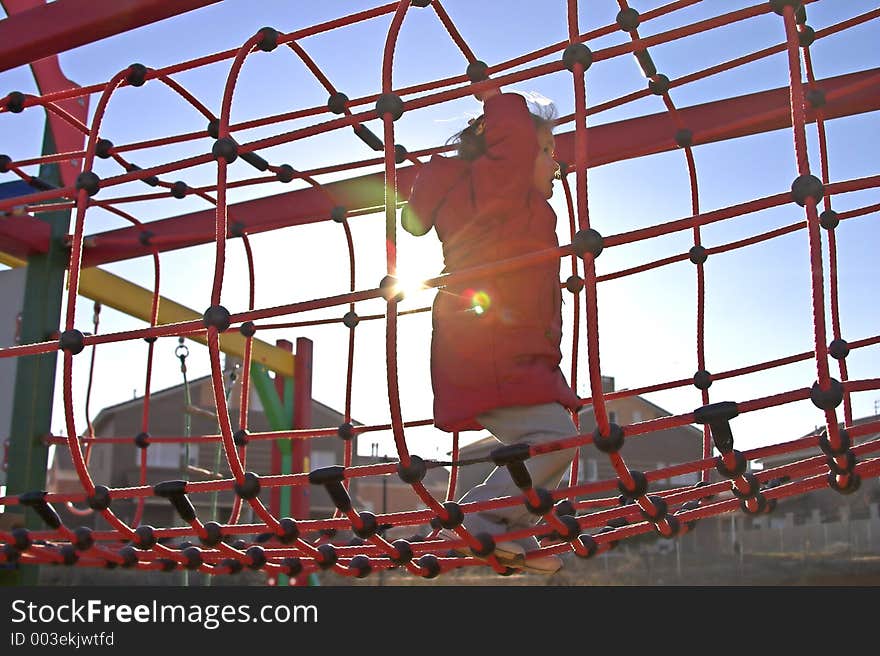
(48, 29)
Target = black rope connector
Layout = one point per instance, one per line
(807, 186)
(369, 525)
(213, 535)
(640, 483)
(269, 40)
(175, 492)
(350, 319)
(256, 161)
(545, 502)
(11, 554)
(292, 566)
(179, 189)
(718, 416)
(103, 148)
(848, 466)
(144, 238)
(572, 528)
(646, 63)
(431, 565)
(660, 509)
(248, 328)
(68, 555)
(816, 98)
(587, 241)
(628, 19)
(144, 537)
(360, 566)
(233, 565)
(455, 515)
(337, 102)
(477, 71)
(684, 138)
(331, 478)
(257, 556)
(71, 340)
(806, 36)
(687, 506)
(779, 5)
(702, 380)
(389, 103)
(827, 399)
(838, 349)
(420, 3)
(21, 539)
(339, 213)
(137, 75)
(129, 557)
(15, 102)
(565, 507)
(760, 504)
(214, 128)
(217, 317)
(400, 154)
(327, 557)
(739, 467)
(590, 545)
(83, 540)
(250, 488)
(240, 437)
(611, 443)
(659, 85)
(5, 161)
(193, 556)
(698, 255)
(345, 431)
(142, 440)
(152, 180)
(853, 482)
(366, 135)
(674, 527)
(487, 545)
(753, 485)
(89, 181)
(285, 173)
(829, 219)
(288, 531)
(225, 148)
(825, 443)
(389, 289)
(506, 455)
(404, 552)
(37, 502)
(577, 53)
(415, 472)
(574, 284)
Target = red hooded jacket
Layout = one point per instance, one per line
(496, 339)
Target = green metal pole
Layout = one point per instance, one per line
(35, 374)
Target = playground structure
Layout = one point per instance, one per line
(286, 542)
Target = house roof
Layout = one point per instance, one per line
(783, 458)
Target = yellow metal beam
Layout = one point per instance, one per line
(136, 301)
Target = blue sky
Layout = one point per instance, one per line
(758, 299)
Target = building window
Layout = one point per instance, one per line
(612, 417)
(636, 416)
(162, 454)
(322, 458)
(686, 479)
(589, 471)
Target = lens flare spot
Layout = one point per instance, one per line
(480, 302)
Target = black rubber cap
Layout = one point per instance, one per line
(455, 515)
(838, 349)
(404, 552)
(179, 189)
(806, 36)
(350, 319)
(659, 85)
(258, 557)
(328, 556)
(240, 437)
(193, 557)
(640, 482)
(288, 530)
(285, 173)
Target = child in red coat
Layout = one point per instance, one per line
(495, 349)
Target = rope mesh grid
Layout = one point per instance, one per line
(602, 520)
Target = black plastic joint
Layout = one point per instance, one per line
(806, 36)
(684, 138)
(816, 98)
(759, 499)
(577, 53)
(179, 189)
(15, 102)
(430, 566)
(400, 154)
(659, 84)
(702, 380)
(838, 349)
(590, 545)
(628, 19)
(646, 62)
(718, 416)
(225, 148)
(360, 566)
(337, 102)
(565, 507)
(827, 399)
(256, 161)
(853, 482)
(213, 535)
(193, 556)
(807, 186)
(89, 181)
(477, 71)
(640, 481)
(574, 284)
(350, 319)
(327, 475)
(828, 450)
(338, 493)
(506, 455)
(217, 317)
(129, 557)
(611, 443)
(454, 515)
(285, 173)
(779, 6)
(233, 565)
(142, 440)
(288, 531)
(269, 39)
(389, 103)
(83, 540)
(68, 555)
(137, 75)
(829, 219)
(698, 255)
(144, 537)
(572, 528)
(674, 527)
(345, 431)
(327, 557)
(660, 509)
(339, 213)
(404, 552)
(37, 502)
(587, 241)
(415, 472)
(103, 148)
(249, 488)
(739, 468)
(366, 135)
(257, 557)
(390, 291)
(248, 329)
(487, 545)
(5, 161)
(292, 566)
(71, 340)
(753, 487)
(847, 468)
(99, 499)
(545, 502)
(214, 128)
(369, 525)
(175, 492)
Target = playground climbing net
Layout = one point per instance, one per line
(586, 518)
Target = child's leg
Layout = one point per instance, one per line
(535, 424)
